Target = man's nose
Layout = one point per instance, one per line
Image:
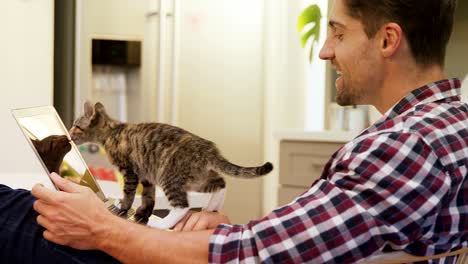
(326, 52)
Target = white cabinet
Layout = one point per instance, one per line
(302, 157)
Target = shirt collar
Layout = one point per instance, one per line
(449, 89)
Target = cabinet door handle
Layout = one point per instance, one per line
(156, 13)
(317, 167)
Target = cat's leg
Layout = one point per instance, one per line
(130, 186)
(178, 200)
(147, 204)
(216, 185)
(216, 201)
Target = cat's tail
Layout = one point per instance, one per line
(226, 167)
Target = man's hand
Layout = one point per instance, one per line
(74, 216)
(195, 221)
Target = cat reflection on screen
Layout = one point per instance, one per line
(52, 150)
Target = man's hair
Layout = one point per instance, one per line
(427, 24)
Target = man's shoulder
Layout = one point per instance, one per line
(427, 120)
(441, 127)
(436, 120)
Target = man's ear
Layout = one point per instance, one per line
(391, 36)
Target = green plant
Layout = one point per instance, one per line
(310, 15)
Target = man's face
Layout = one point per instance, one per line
(354, 56)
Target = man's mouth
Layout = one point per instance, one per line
(338, 80)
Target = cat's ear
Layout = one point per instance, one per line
(35, 142)
(88, 109)
(99, 108)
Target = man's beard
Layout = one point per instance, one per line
(347, 96)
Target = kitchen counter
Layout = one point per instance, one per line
(322, 136)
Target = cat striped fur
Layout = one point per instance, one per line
(158, 154)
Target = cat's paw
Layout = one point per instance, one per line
(119, 211)
(159, 223)
(122, 213)
(142, 214)
(141, 219)
(174, 216)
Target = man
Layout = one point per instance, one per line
(400, 185)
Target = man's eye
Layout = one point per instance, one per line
(339, 36)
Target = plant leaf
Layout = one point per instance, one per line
(310, 15)
(313, 31)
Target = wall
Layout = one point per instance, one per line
(27, 78)
(300, 84)
(294, 89)
(456, 62)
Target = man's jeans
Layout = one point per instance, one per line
(21, 239)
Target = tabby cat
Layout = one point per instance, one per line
(160, 154)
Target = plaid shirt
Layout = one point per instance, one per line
(402, 183)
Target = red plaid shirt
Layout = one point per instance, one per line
(402, 183)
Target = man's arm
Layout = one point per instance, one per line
(133, 243)
(77, 218)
